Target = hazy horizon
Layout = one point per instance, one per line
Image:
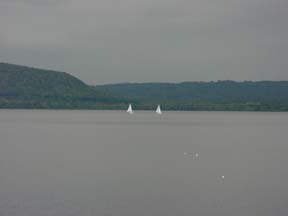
(112, 41)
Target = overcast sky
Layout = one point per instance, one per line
(109, 41)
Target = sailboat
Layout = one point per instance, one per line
(158, 110)
(129, 110)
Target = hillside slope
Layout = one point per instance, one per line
(32, 88)
(221, 90)
(26, 87)
(221, 95)
(20, 80)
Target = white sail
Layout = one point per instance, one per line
(158, 110)
(129, 110)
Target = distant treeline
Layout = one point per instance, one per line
(220, 95)
(32, 88)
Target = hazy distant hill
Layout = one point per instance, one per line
(221, 95)
(213, 91)
(26, 87)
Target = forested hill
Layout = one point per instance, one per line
(220, 95)
(20, 80)
(26, 87)
(214, 91)
(32, 88)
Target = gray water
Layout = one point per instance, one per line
(82, 163)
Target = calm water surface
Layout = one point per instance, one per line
(82, 163)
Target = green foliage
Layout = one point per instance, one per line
(208, 91)
(221, 95)
(32, 88)
(25, 87)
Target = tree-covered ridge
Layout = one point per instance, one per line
(209, 91)
(32, 88)
(220, 95)
(26, 87)
(20, 80)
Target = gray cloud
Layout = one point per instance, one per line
(107, 41)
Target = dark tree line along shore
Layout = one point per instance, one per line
(32, 88)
